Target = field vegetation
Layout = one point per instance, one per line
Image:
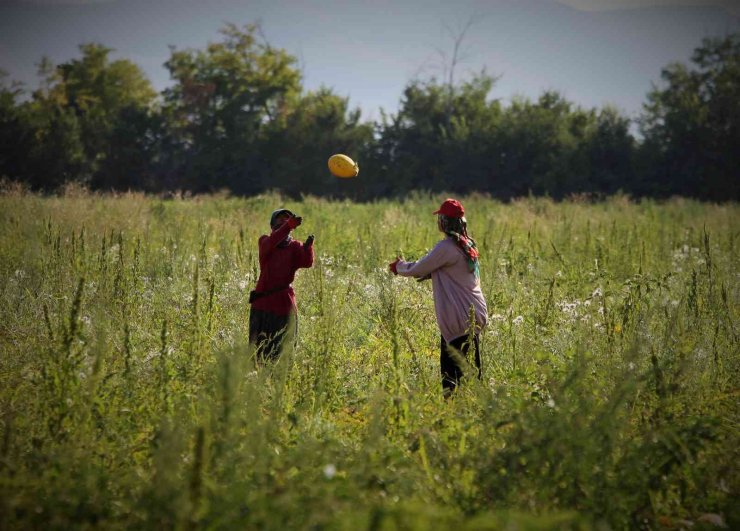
(129, 398)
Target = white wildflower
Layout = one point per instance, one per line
(330, 471)
(571, 308)
(518, 320)
(597, 293)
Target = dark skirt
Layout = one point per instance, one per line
(271, 333)
(455, 360)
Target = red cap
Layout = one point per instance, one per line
(452, 208)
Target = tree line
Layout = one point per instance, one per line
(237, 117)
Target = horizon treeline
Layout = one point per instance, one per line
(236, 117)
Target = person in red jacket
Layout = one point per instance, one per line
(273, 318)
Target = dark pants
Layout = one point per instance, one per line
(453, 357)
(270, 332)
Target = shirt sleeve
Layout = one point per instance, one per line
(435, 259)
(268, 243)
(305, 256)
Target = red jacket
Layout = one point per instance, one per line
(277, 269)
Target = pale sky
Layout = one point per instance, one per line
(595, 52)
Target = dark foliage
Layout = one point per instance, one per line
(237, 118)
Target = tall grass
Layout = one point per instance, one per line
(129, 398)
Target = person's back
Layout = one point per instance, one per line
(455, 291)
(273, 317)
(278, 266)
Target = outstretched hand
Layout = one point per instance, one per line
(309, 241)
(393, 266)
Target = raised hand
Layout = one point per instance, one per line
(294, 221)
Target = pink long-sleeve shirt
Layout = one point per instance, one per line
(455, 288)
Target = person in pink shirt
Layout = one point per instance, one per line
(453, 267)
(273, 318)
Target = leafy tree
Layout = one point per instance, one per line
(299, 144)
(236, 117)
(15, 134)
(532, 142)
(140, 156)
(438, 137)
(222, 99)
(75, 112)
(56, 154)
(692, 124)
(610, 149)
(459, 140)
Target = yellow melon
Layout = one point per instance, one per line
(343, 166)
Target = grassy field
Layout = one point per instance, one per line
(609, 397)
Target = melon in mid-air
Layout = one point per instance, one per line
(343, 166)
